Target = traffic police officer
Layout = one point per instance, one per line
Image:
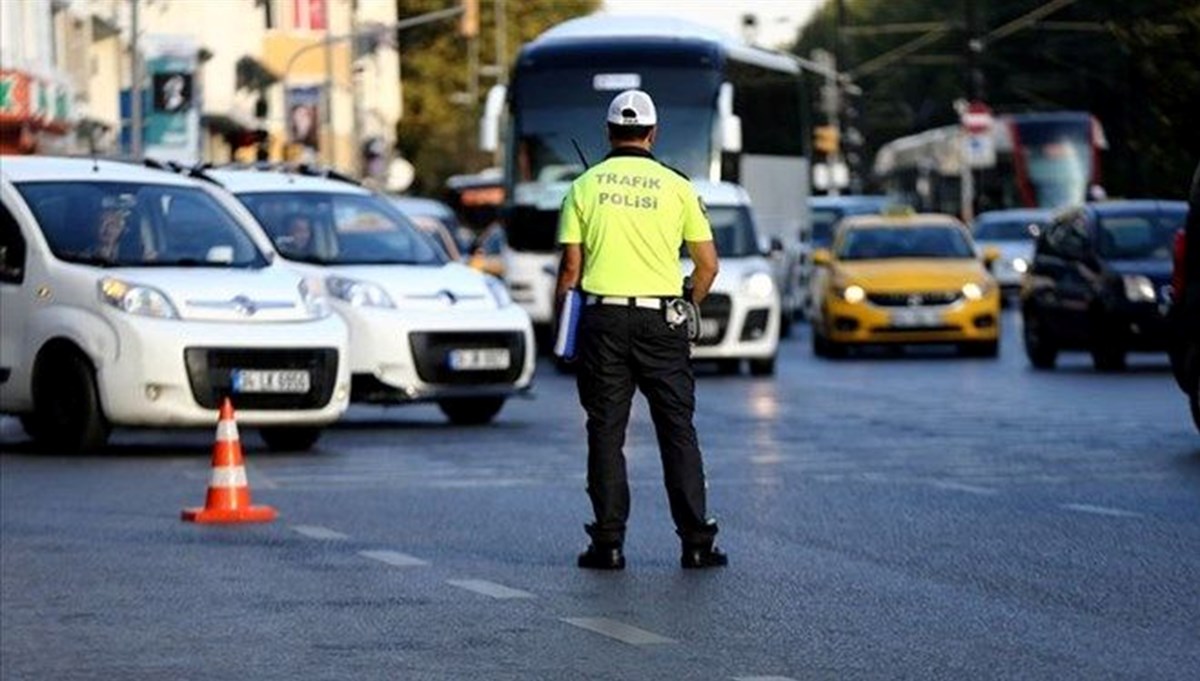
(621, 227)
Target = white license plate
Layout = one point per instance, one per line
(709, 328)
(274, 381)
(916, 318)
(488, 359)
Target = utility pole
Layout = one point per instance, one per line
(973, 48)
(135, 83)
(356, 150)
(502, 42)
(327, 119)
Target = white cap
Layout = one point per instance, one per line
(632, 107)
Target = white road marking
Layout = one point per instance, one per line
(763, 678)
(394, 558)
(315, 532)
(1101, 510)
(960, 487)
(486, 588)
(619, 630)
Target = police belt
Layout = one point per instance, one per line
(648, 302)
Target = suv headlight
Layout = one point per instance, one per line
(499, 291)
(758, 285)
(144, 301)
(358, 293)
(1139, 289)
(314, 300)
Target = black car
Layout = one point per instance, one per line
(1100, 282)
(1185, 305)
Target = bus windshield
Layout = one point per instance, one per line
(878, 243)
(1058, 159)
(557, 105)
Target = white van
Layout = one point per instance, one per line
(136, 297)
(741, 316)
(422, 328)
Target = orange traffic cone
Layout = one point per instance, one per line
(228, 498)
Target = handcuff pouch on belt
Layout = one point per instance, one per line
(679, 312)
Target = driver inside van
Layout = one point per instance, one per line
(116, 238)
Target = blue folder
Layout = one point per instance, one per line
(568, 325)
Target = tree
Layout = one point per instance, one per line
(1131, 64)
(438, 132)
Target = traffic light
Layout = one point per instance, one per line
(468, 25)
(825, 139)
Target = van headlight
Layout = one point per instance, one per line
(358, 293)
(314, 300)
(144, 301)
(758, 285)
(1139, 289)
(499, 291)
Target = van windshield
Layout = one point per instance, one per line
(126, 224)
(341, 229)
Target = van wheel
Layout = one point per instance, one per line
(471, 411)
(290, 438)
(729, 367)
(1108, 358)
(762, 367)
(1040, 349)
(66, 405)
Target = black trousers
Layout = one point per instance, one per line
(623, 348)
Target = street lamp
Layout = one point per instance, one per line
(329, 40)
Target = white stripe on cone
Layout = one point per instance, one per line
(227, 431)
(228, 476)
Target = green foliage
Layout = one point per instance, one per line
(1132, 64)
(438, 132)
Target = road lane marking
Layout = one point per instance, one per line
(316, 532)
(619, 630)
(763, 678)
(487, 588)
(1101, 510)
(960, 487)
(394, 558)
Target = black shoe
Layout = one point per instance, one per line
(699, 557)
(602, 558)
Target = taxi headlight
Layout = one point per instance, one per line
(853, 294)
(758, 285)
(1139, 289)
(314, 299)
(144, 301)
(972, 291)
(499, 291)
(358, 293)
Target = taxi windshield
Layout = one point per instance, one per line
(340, 229)
(127, 224)
(928, 241)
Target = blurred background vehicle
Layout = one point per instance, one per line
(827, 211)
(479, 199)
(1010, 232)
(1100, 281)
(740, 317)
(422, 328)
(1185, 303)
(730, 112)
(135, 297)
(905, 280)
(438, 221)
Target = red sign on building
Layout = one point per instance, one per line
(310, 15)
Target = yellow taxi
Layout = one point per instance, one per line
(904, 279)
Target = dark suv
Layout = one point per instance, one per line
(1185, 306)
(1100, 282)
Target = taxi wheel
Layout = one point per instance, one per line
(66, 404)
(290, 438)
(1041, 352)
(981, 349)
(471, 411)
(762, 367)
(825, 348)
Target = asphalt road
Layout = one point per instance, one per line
(919, 517)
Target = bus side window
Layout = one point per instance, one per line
(12, 249)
